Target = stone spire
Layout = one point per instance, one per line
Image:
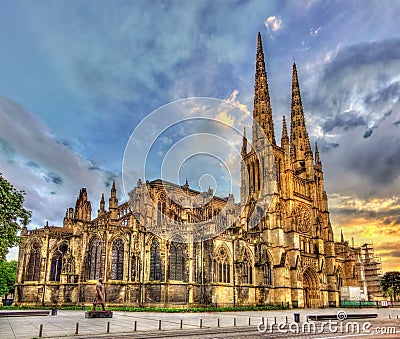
(300, 149)
(244, 143)
(262, 112)
(102, 206)
(113, 201)
(285, 137)
(317, 158)
(341, 236)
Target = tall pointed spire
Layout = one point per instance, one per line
(299, 140)
(317, 158)
(262, 112)
(113, 190)
(341, 236)
(113, 201)
(244, 143)
(285, 137)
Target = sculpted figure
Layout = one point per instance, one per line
(99, 298)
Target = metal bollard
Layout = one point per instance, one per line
(159, 325)
(40, 330)
(135, 327)
(76, 328)
(234, 322)
(249, 321)
(218, 322)
(108, 327)
(286, 320)
(201, 323)
(389, 315)
(181, 323)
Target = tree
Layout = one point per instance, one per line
(12, 216)
(390, 284)
(8, 272)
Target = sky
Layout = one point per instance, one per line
(77, 78)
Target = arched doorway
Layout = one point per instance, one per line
(311, 293)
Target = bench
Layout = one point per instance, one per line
(32, 313)
(320, 317)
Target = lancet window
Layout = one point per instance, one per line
(155, 260)
(33, 273)
(94, 259)
(57, 261)
(222, 266)
(117, 260)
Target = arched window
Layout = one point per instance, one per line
(267, 273)
(247, 269)
(117, 260)
(223, 267)
(94, 259)
(33, 273)
(155, 260)
(176, 261)
(161, 208)
(56, 262)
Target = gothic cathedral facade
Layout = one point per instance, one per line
(286, 256)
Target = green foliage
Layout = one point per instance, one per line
(8, 271)
(153, 309)
(13, 215)
(390, 284)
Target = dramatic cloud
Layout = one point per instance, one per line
(51, 174)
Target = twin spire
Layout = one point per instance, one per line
(299, 142)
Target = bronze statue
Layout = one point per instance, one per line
(99, 298)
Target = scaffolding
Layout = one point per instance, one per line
(372, 270)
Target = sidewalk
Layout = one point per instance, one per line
(64, 324)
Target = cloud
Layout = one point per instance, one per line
(50, 173)
(315, 31)
(273, 24)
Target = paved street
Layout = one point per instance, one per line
(194, 325)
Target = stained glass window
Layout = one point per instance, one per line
(33, 273)
(177, 262)
(117, 260)
(223, 267)
(94, 259)
(56, 262)
(155, 260)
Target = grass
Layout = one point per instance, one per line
(152, 309)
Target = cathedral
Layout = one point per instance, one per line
(273, 247)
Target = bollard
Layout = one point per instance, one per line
(234, 322)
(286, 320)
(159, 325)
(296, 317)
(275, 320)
(201, 323)
(397, 316)
(76, 328)
(108, 327)
(181, 323)
(389, 315)
(40, 330)
(249, 321)
(218, 322)
(135, 327)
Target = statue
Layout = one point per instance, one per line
(99, 298)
